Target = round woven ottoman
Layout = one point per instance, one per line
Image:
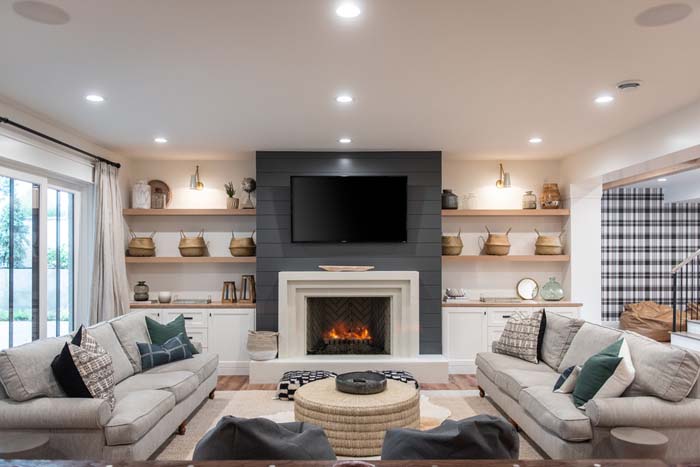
(355, 423)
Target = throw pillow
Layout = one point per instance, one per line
(540, 335)
(161, 333)
(567, 380)
(172, 350)
(520, 337)
(84, 368)
(606, 374)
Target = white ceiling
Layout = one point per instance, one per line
(680, 187)
(475, 79)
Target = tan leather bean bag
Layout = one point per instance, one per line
(651, 320)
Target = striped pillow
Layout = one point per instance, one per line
(174, 349)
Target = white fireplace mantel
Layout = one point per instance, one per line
(401, 286)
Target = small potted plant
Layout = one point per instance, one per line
(231, 202)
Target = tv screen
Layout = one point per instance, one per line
(348, 209)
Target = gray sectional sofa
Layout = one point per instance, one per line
(665, 395)
(150, 405)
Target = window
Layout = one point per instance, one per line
(19, 261)
(60, 262)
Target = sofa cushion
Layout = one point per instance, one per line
(105, 336)
(490, 363)
(130, 329)
(513, 381)
(559, 332)
(662, 371)
(203, 365)
(135, 414)
(589, 340)
(25, 371)
(180, 383)
(556, 413)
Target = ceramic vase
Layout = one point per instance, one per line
(141, 292)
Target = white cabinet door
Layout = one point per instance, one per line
(463, 330)
(228, 334)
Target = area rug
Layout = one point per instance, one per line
(436, 406)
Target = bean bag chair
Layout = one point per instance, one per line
(262, 439)
(650, 320)
(479, 437)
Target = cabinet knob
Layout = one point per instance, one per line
(506, 316)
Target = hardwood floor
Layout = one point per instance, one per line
(240, 383)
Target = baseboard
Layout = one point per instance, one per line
(234, 368)
(462, 367)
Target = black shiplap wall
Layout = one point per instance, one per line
(421, 253)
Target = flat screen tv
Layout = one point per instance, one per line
(348, 209)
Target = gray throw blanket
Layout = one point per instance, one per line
(258, 438)
(480, 437)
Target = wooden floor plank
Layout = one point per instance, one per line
(241, 383)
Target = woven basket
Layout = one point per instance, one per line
(192, 246)
(242, 246)
(141, 246)
(452, 246)
(548, 244)
(262, 345)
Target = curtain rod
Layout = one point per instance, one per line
(57, 141)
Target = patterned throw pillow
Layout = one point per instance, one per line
(174, 349)
(567, 380)
(161, 333)
(606, 374)
(521, 336)
(84, 368)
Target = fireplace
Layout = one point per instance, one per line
(348, 325)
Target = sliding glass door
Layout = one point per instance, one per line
(19, 261)
(60, 262)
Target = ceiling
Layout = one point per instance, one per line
(475, 79)
(679, 187)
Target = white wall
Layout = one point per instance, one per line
(668, 140)
(186, 280)
(480, 177)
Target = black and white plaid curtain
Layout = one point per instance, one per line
(642, 239)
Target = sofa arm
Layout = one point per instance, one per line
(643, 412)
(54, 413)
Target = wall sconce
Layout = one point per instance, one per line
(195, 181)
(503, 178)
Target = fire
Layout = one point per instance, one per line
(343, 331)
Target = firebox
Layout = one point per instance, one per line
(348, 325)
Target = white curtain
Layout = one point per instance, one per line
(110, 288)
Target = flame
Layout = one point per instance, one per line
(343, 331)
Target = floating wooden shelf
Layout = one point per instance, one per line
(507, 258)
(189, 212)
(177, 306)
(188, 260)
(504, 212)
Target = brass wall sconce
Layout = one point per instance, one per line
(503, 178)
(195, 181)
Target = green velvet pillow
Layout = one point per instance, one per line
(161, 333)
(606, 374)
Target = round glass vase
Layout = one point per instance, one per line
(552, 291)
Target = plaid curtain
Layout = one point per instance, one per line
(642, 239)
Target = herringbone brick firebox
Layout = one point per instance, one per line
(348, 325)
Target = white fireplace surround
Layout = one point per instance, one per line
(400, 286)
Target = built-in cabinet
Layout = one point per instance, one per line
(223, 331)
(468, 330)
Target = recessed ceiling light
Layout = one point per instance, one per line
(344, 99)
(662, 179)
(661, 15)
(94, 98)
(348, 10)
(535, 140)
(41, 12)
(160, 140)
(604, 99)
(345, 141)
